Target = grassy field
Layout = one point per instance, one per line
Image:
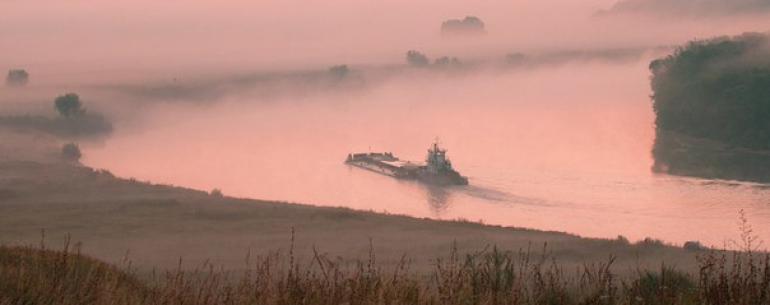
(43, 276)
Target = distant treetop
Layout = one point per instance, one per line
(717, 89)
(470, 25)
(69, 105)
(417, 59)
(17, 78)
(71, 152)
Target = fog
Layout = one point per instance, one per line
(690, 8)
(142, 40)
(544, 147)
(238, 96)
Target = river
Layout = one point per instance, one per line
(564, 148)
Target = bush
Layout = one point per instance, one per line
(622, 240)
(71, 152)
(693, 245)
(668, 286)
(69, 105)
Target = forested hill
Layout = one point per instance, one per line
(712, 104)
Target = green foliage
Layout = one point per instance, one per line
(69, 105)
(73, 121)
(668, 286)
(716, 89)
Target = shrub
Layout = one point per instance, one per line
(71, 152)
(693, 245)
(69, 105)
(668, 286)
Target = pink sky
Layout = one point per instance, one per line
(270, 34)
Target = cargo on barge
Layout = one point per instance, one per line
(436, 170)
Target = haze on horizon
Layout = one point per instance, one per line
(75, 39)
(229, 95)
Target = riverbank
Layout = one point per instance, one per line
(679, 154)
(154, 225)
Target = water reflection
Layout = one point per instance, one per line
(438, 198)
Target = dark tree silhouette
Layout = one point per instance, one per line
(712, 104)
(416, 59)
(71, 152)
(717, 89)
(469, 25)
(17, 78)
(69, 105)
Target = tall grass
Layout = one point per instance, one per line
(35, 275)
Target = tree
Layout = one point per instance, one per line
(69, 105)
(17, 77)
(416, 59)
(716, 89)
(470, 25)
(71, 152)
(216, 193)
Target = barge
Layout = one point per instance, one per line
(436, 170)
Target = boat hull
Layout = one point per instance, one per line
(387, 164)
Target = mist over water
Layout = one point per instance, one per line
(562, 148)
(562, 143)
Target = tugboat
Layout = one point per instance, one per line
(437, 169)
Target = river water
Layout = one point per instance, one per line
(563, 148)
